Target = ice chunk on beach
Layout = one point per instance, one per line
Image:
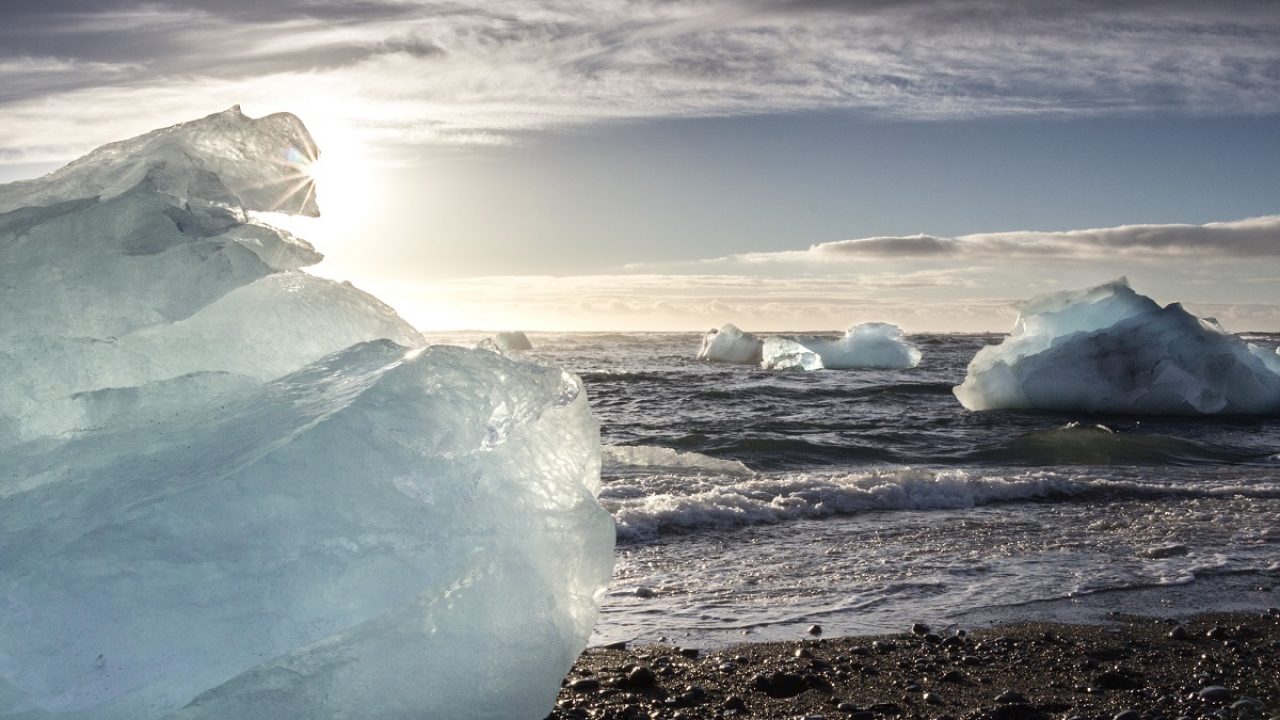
(731, 345)
(230, 489)
(506, 342)
(1109, 349)
(873, 345)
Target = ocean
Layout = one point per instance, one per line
(751, 504)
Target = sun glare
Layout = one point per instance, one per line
(343, 178)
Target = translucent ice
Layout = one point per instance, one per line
(788, 353)
(229, 489)
(1110, 350)
(506, 342)
(140, 263)
(731, 345)
(867, 346)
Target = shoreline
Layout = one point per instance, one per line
(1203, 650)
(1245, 591)
(1131, 667)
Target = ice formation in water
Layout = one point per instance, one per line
(873, 345)
(229, 488)
(506, 342)
(731, 345)
(1109, 349)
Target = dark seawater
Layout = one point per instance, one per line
(750, 503)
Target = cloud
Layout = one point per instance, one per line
(445, 72)
(1251, 238)
(960, 300)
(696, 302)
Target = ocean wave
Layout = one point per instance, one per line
(1080, 444)
(765, 392)
(682, 504)
(620, 457)
(630, 376)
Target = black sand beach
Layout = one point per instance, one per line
(1223, 665)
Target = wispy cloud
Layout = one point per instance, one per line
(1251, 238)
(441, 72)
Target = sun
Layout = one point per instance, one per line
(343, 177)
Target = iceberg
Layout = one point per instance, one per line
(506, 342)
(235, 490)
(731, 345)
(1109, 349)
(873, 345)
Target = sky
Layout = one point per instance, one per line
(663, 164)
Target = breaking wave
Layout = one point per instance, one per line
(646, 508)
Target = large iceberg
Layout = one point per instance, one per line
(873, 345)
(1109, 349)
(234, 490)
(731, 345)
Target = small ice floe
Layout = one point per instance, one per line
(506, 342)
(869, 346)
(731, 345)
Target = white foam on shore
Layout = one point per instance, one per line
(645, 508)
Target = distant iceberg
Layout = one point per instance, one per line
(505, 342)
(230, 489)
(873, 345)
(731, 345)
(1109, 349)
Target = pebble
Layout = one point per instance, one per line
(953, 676)
(585, 685)
(883, 646)
(1214, 693)
(1010, 696)
(689, 652)
(641, 676)
(1012, 711)
(644, 592)
(1247, 703)
(803, 653)
(779, 684)
(920, 629)
(1117, 680)
(620, 645)
(815, 630)
(1127, 715)
(1178, 633)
